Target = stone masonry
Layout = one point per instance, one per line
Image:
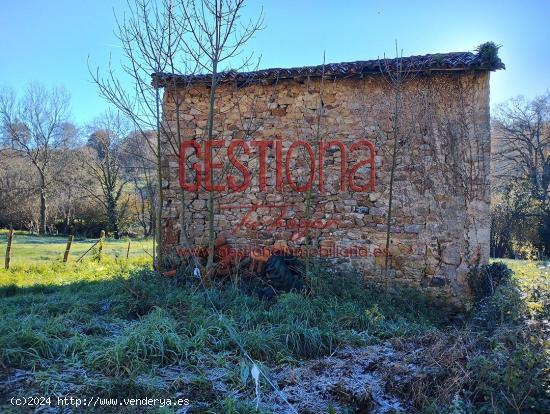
(440, 226)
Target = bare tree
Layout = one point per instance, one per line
(105, 167)
(17, 191)
(216, 37)
(149, 35)
(67, 197)
(36, 127)
(139, 162)
(520, 214)
(396, 76)
(522, 143)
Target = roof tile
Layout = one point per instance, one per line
(426, 63)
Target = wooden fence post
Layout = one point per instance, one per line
(8, 249)
(100, 245)
(68, 248)
(128, 250)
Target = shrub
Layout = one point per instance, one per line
(509, 378)
(484, 280)
(505, 306)
(171, 261)
(509, 369)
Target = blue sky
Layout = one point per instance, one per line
(50, 41)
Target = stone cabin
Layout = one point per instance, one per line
(305, 155)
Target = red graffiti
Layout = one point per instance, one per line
(204, 171)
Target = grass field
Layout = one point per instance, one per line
(28, 249)
(116, 329)
(39, 260)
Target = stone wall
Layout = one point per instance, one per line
(441, 193)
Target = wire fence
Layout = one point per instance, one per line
(24, 248)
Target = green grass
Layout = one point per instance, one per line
(528, 272)
(139, 322)
(533, 278)
(39, 260)
(58, 273)
(121, 326)
(29, 249)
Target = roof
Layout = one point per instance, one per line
(456, 61)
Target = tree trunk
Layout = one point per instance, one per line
(158, 218)
(113, 217)
(211, 230)
(152, 218)
(395, 132)
(43, 228)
